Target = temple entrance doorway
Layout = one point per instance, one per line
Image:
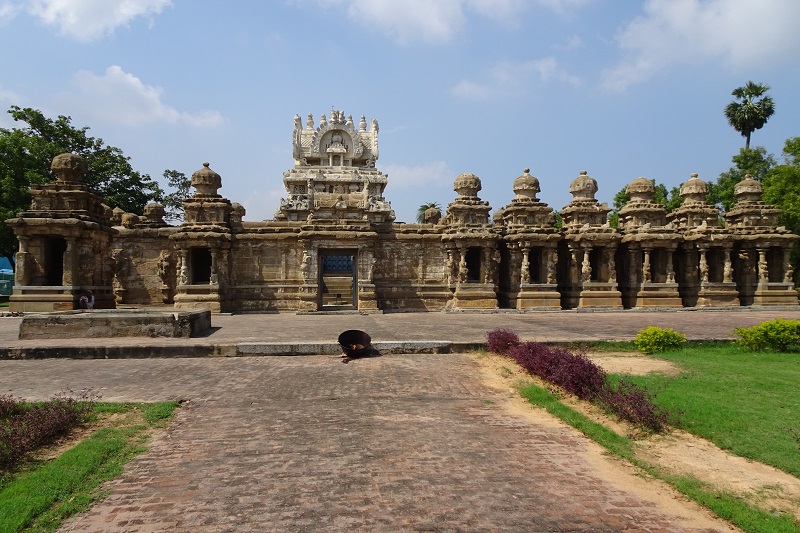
(200, 266)
(338, 279)
(54, 248)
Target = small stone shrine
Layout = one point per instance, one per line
(334, 245)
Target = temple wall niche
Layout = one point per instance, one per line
(410, 275)
(141, 267)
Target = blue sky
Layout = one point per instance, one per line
(619, 88)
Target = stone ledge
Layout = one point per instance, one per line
(113, 324)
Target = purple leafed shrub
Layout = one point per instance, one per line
(635, 404)
(573, 372)
(24, 426)
(578, 375)
(501, 341)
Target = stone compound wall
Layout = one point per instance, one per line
(334, 245)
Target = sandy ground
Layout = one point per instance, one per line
(677, 452)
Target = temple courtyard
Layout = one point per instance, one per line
(396, 442)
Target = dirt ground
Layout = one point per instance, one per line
(676, 452)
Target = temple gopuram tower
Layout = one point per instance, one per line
(64, 243)
(587, 265)
(530, 256)
(336, 192)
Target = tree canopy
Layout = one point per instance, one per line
(27, 151)
(754, 161)
(173, 202)
(782, 189)
(751, 109)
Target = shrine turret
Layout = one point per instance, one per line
(334, 176)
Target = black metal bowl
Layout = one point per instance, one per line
(355, 343)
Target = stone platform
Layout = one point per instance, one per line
(435, 332)
(102, 324)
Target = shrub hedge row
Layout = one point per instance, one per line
(578, 375)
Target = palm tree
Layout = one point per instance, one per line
(749, 113)
(423, 208)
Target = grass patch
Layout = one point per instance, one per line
(742, 401)
(43, 494)
(747, 517)
(617, 444)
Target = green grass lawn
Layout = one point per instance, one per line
(745, 402)
(42, 494)
(747, 517)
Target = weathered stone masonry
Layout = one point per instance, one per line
(334, 244)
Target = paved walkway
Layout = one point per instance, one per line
(389, 443)
(436, 326)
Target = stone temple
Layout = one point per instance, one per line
(334, 245)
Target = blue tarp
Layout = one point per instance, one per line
(5, 264)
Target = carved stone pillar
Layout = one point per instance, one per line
(22, 272)
(727, 273)
(214, 280)
(183, 268)
(487, 265)
(612, 265)
(763, 272)
(788, 273)
(586, 266)
(573, 266)
(462, 265)
(451, 267)
(70, 256)
(525, 270)
(552, 263)
(703, 264)
(633, 275)
(670, 267)
(646, 266)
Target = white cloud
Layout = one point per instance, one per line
(511, 79)
(121, 98)
(739, 33)
(89, 20)
(8, 11)
(411, 20)
(427, 21)
(429, 175)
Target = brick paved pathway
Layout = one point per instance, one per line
(391, 443)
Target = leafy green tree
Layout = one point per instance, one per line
(754, 161)
(669, 198)
(751, 109)
(424, 207)
(26, 153)
(782, 189)
(173, 202)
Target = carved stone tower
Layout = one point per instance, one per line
(334, 176)
(203, 245)
(64, 243)
(587, 265)
(530, 253)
